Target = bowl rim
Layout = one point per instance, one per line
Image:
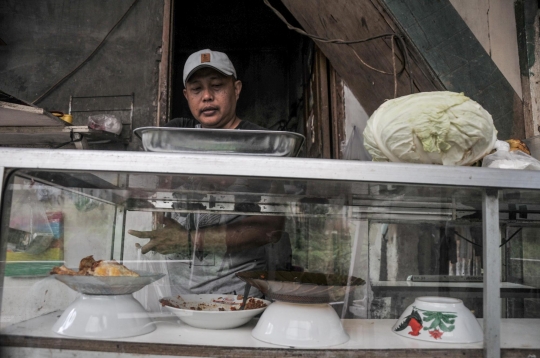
(439, 300)
(201, 312)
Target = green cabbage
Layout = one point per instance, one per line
(432, 128)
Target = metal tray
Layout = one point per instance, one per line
(220, 141)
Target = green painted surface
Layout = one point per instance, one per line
(456, 56)
(26, 269)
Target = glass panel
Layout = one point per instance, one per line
(520, 222)
(403, 241)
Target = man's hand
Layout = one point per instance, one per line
(172, 238)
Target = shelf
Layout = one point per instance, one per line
(85, 184)
(172, 337)
(456, 289)
(19, 114)
(51, 136)
(23, 124)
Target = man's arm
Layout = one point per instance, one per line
(248, 233)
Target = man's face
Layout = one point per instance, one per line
(212, 98)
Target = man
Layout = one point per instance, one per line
(212, 90)
(217, 246)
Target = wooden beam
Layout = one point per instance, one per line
(528, 26)
(337, 110)
(323, 105)
(318, 136)
(163, 107)
(353, 20)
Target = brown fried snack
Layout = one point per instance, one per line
(86, 262)
(62, 270)
(516, 144)
(87, 265)
(90, 267)
(112, 268)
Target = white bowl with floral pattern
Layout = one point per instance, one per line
(439, 319)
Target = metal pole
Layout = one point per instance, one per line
(3, 236)
(492, 273)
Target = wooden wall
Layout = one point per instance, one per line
(444, 53)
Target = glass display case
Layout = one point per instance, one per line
(341, 257)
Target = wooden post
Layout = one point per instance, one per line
(163, 107)
(528, 29)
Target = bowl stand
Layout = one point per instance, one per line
(300, 325)
(104, 316)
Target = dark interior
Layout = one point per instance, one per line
(270, 60)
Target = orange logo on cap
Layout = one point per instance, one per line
(205, 57)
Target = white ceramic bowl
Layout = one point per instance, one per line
(211, 317)
(300, 325)
(100, 316)
(439, 319)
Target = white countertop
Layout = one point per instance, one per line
(364, 334)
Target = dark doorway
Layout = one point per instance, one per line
(270, 59)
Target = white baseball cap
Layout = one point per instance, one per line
(208, 58)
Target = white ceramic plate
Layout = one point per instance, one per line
(109, 285)
(439, 319)
(210, 316)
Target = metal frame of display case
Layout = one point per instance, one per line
(488, 180)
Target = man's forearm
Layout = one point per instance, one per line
(248, 233)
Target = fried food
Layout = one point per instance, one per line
(88, 264)
(90, 267)
(516, 144)
(63, 270)
(113, 268)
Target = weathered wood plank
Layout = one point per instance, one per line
(163, 108)
(213, 351)
(352, 20)
(9, 344)
(324, 105)
(318, 138)
(527, 22)
(337, 108)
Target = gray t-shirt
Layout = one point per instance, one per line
(213, 270)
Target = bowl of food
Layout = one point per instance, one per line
(300, 287)
(214, 311)
(103, 277)
(105, 308)
(439, 319)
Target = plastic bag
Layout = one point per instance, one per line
(354, 149)
(149, 295)
(29, 226)
(105, 122)
(503, 158)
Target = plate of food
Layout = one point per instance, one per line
(214, 311)
(106, 307)
(300, 287)
(104, 277)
